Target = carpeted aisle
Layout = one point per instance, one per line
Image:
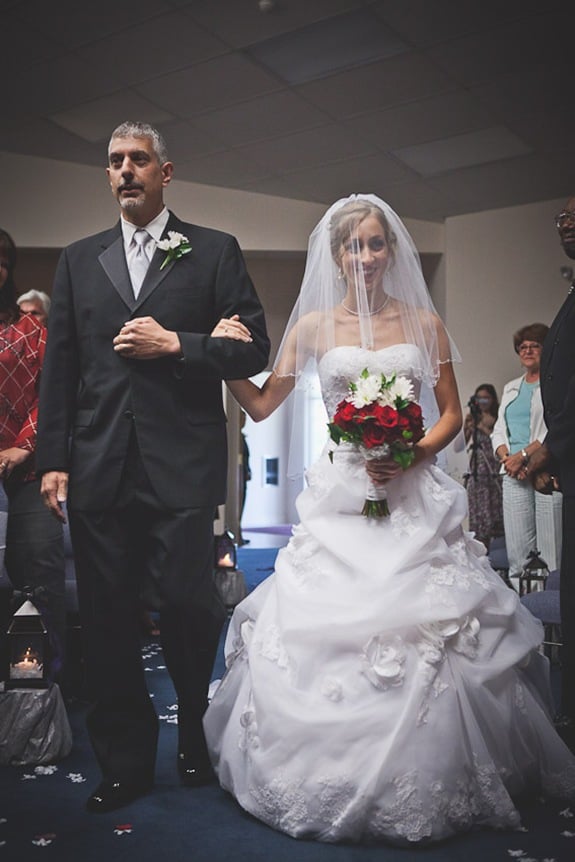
(42, 810)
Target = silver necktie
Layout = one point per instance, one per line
(140, 260)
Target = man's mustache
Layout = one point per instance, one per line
(130, 187)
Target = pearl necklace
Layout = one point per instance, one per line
(369, 313)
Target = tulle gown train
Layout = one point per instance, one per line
(383, 682)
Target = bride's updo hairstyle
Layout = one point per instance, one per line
(345, 221)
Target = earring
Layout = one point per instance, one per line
(340, 274)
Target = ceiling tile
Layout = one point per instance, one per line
(531, 89)
(42, 138)
(365, 174)
(474, 148)
(534, 41)
(261, 118)
(62, 83)
(186, 141)
(546, 130)
(379, 85)
(154, 47)
(418, 200)
(207, 86)
(326, 47)
(306, 149)
(71, 23)
(23, 46)
(94, 121)
(423, 23)
(423, 120)
(226, 168)
(241, 23)
(505, 183)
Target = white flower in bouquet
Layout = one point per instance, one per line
(401, 388)
(366, 390)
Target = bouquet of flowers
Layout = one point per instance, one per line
(381, 418)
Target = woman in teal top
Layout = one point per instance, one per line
(532, 521)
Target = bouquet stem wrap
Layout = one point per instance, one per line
(375, 505)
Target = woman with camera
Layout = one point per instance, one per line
(532, 520)
(482, 480)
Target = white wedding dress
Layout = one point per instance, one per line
(383, 682)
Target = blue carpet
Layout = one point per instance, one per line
(256, 564)
(42, 811)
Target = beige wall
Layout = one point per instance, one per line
(502, 271)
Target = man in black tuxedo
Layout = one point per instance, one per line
(132, 432)
(555, 461)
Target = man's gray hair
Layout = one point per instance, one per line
(36, 296)
(142, 130)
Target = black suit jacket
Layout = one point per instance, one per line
(557, 376)
(91, 398)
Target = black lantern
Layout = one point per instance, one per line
(27, 649)
(225, 551)
(534, 574)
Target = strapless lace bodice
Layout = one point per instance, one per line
(342, 364)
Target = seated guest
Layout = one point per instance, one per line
(36, 303)
(34, 544)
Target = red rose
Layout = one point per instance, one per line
(386, 416)
(415, 416)
(374, 435)
(344, 415)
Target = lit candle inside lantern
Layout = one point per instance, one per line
(226, 561)
(27, 667)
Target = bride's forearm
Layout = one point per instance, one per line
(450, 417)
(260, 402)
(443, 432)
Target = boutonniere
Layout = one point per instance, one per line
(176, 246)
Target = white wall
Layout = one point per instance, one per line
(502, 272)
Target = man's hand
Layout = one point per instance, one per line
(10, 458)
(144, 338)
(544, 482)
(54, 491)
(538, 460)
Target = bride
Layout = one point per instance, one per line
(383, 682)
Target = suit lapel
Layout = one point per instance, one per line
(113, 261)
(155, 275)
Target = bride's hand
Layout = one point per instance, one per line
(382, 470)
(232, 328)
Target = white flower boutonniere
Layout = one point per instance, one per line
(176, 246)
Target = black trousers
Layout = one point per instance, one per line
(35, 558)
(139, 549)
(568, 608)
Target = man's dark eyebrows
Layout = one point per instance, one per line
(134, 154)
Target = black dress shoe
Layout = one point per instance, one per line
(193, 774)
(110, 795)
